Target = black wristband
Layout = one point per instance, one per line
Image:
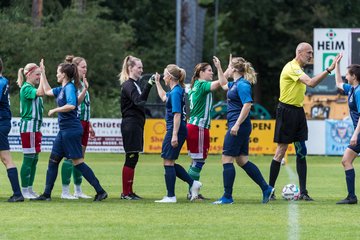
(329, 72)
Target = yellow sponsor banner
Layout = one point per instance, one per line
(261, 138)
(154, 133)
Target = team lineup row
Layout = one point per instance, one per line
(73, 110)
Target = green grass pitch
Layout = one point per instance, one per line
(247, 218)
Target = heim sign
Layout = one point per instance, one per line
(328, 42)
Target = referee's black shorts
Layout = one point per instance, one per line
(132, 135)
(291, 125)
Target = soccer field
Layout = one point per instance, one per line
(247, 218)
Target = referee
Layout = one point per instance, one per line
(291, 125)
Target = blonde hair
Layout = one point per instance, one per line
(129, 61)
(28, 69)
(244, 67)
(73, 59)
(177, 73)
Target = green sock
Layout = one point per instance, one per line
(77, 176)
(66, 171)
(25, 171)
(33, 169)
(194, 173)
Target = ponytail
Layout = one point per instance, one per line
(76, 77)
(182, 77)
(129, 61)
(20, 79)
(250, 73)
(71, 72)
(28, 69)
(245, 68)
(177, 74)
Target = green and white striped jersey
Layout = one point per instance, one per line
(84, 107)
(31, 109)
(200, 98)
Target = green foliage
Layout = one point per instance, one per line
(266, 33)
(101, 42)
(154, 24)
(102, 35)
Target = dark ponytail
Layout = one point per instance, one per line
(71, 72)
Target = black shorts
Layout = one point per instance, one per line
(291, 125)
(132, 135)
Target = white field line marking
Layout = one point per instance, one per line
(293, 212)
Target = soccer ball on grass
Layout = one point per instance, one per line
(290, 192)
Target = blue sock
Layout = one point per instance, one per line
(228, 178)
(51, 175)
(90, 177)
(182, 174)
(350, 182)
(254, 173)
(170, 178)
(198, 163)
(14, 180)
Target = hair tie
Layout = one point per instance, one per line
(31, 69)
(167, 71)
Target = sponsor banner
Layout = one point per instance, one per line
(109, 139)
(108, 135)
(338, 135)
(261, 138)
(328, 42)
(154, 133)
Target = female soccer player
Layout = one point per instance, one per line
(200, 97)
(236, 142)
(132, 102)
(5, 126)
(353, 91)
(31, 110)
(84, 113)
(68, 141)
(175, 132)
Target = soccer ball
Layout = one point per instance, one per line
(290, 192)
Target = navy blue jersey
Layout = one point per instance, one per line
(5, 112)
(353, 101)
(238, 94)
(175, 103)
(67, 95)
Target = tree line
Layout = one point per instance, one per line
(265, 32)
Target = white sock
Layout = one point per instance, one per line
(25, 190)
(78, 189)
(66, 189)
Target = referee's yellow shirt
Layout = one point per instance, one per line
(292, 91)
